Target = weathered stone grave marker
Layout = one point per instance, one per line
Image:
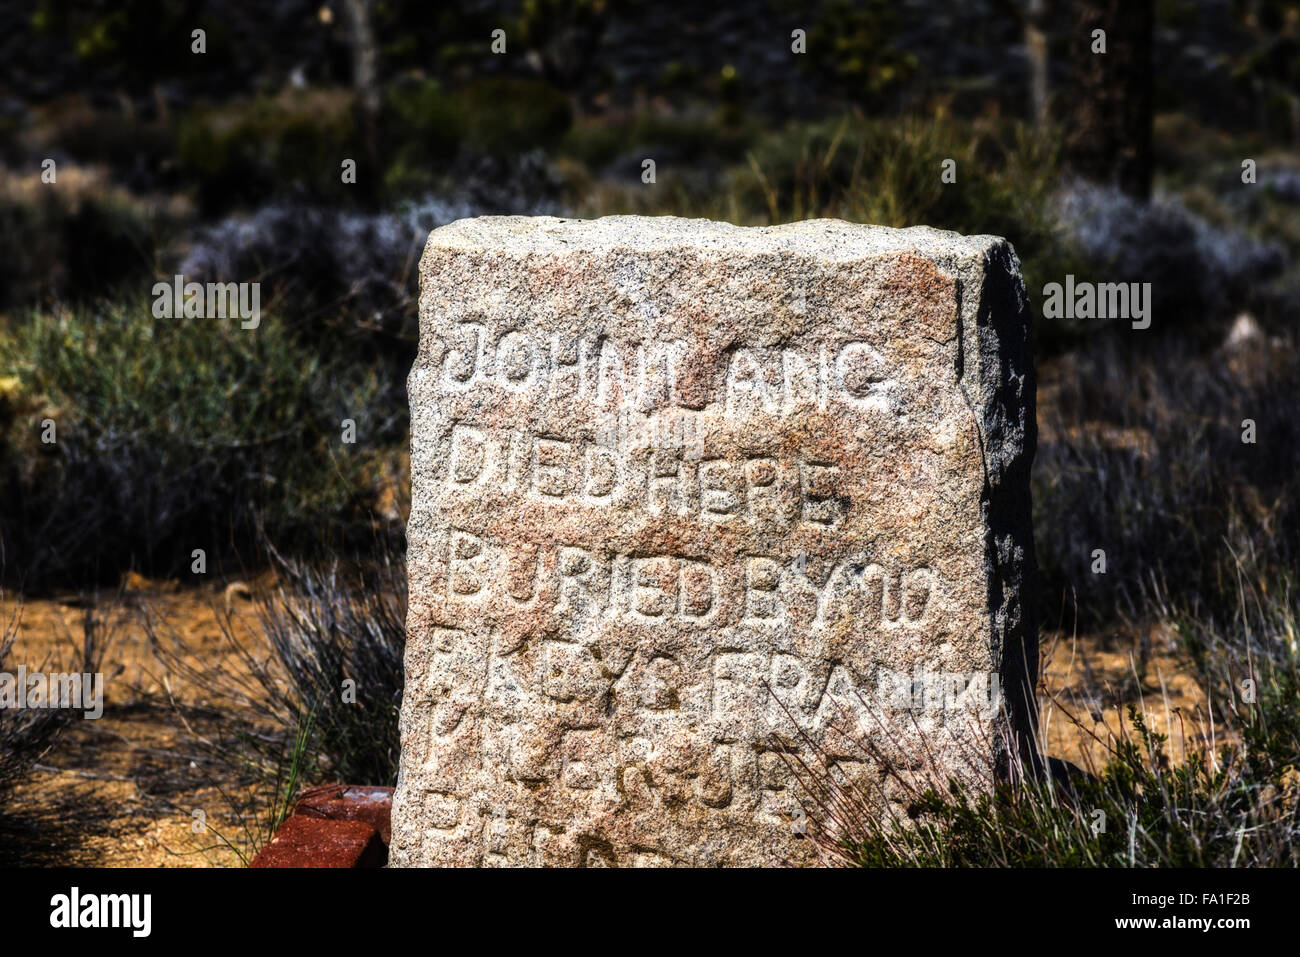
(690, 501)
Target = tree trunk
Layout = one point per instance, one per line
(365, 74)
(1036, 47)
(1108, 136)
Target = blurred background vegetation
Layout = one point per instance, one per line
(226, 165)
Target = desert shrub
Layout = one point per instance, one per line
(330, 626)
(509, 115)
(1141, 455)
(247, 152)
(355, 272)
(888, 173)
(319, 685)
(1156, 814)
(138, 151)
(1203, 169)
(1201, 275)
(1234, 801)
(28, 733)
(433, 133)
(619, 142)
(330, 271)
(77, 239)
(25, 734)
(172, 434)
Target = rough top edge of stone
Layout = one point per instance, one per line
(832, 239)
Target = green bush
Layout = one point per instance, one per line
(75, 239)
(506, 115)
(888, 172)
(861, 60)
(427, 125)
(247, 151)
(885, 172)
(426, 118)
(172, 435)
(425, 128)
(697, 137)
(139, 151)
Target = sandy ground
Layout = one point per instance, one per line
(124, 790)
(1087, 689)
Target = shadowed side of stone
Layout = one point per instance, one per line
(692, 504)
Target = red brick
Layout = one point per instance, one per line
(304, 841)
(348, 802)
